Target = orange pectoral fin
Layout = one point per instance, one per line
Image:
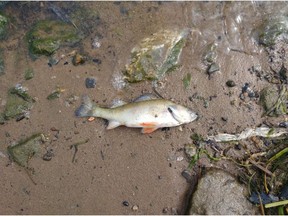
(148, 124)
(147, 130)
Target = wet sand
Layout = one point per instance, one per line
(122, 164)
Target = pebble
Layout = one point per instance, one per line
(78, 59)
(90, 82)
(187, 175)
(230, 83)
(135, 208)
(165, 210)
(97, 61)
(48, 155)
(96, 43)
(213, 68)
(125, 203)
(283, 124)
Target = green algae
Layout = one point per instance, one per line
(47, 36)
(22, 152)
(3, 27)
(155, 56)
(18, 102)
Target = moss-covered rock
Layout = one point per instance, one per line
(3, 26)
(274, 101)
(155, 56)
(48, 35)
(29, 73)
(22, 152)
(18, 102)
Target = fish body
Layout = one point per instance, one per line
(148, 114)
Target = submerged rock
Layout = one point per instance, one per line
(210, 54)
(22, 152)
(3, 26)
(18, 102)
(272, 29)
(155, 56)
(219, 193)
(48, 35)
(29, 73)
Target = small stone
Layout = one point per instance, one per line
(97, 61)
(29, 74)
(179, 158)
(165, 210)
(283, 124)
(187, 175)
(125, 203)
(78, 59)
(135, 208)
(96, 43)
(48, 155)
(230, 83)
(213, 68)
(53, 61)
(90, 82)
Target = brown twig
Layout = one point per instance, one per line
(261, 167)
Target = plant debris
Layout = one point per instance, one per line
(263, 131)
(186, 80)
(75, 146)
(55, 94)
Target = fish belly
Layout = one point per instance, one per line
(155, 117)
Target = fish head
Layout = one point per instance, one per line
(182, 114)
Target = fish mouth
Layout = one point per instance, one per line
(194, 116)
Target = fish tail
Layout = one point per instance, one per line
(86, 108)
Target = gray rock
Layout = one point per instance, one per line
(90, 82)
(218, 192)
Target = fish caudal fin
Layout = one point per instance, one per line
(86, 107)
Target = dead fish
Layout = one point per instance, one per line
(146, 112)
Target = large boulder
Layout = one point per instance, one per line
(219, 193)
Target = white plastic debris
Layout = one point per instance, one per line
(263, 131)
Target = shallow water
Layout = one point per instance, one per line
(123, 164)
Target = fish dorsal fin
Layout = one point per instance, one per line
(113, 124)
(145, 97)
(117, 103)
